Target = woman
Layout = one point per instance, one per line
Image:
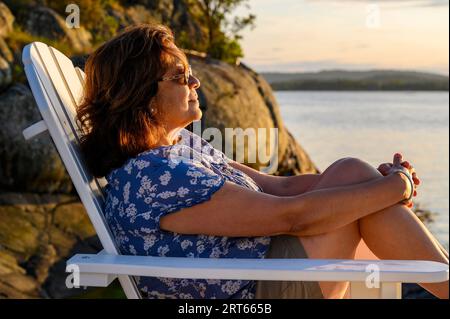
(170, 193)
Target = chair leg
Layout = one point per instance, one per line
(387, 290)
(391, 290)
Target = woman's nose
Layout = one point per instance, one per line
(194, 82)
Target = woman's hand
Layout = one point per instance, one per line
(385, 169)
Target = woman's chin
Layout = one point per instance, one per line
(194, 104)
(195, 110)
(198, 114)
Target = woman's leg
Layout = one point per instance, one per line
(393, 233)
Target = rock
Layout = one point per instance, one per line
(245, 100)
(37, 234)
(45, 22)
(187, 28)
(179, 15)
(295, 160)
(5, 52)
(414, 291)
(165, 8)
(135, 14)
(79, 60)
(6, 59)
(5, 73)
(55, 285)
(39, 231)
(29, 166)
(161, 10)
(6, 20)
(14, 282)
(20, 231)
(139, 14)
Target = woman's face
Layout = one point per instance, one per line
(177, 101)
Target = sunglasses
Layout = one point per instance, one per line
(182, 77)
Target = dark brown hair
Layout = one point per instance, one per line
(115, 116)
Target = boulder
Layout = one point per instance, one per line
(139, 14)
(179, 15)
(6, 59)
(5, 51)
(161, 10)
(134, 14)
(6, 56)
(29, 166)
(45, 22)
(39, 231)
(245, 100)
(37, 234)
(6, 20)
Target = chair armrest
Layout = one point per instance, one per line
(34, 130)
(104, 265)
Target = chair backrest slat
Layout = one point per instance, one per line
(69, 84)
(57, 87)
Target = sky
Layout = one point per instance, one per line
(313, 35)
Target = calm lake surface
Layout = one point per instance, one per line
(373, 126)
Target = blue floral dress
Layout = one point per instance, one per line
(164, 180)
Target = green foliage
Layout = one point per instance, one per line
(94, 17)
(94, 14)
(17, 39)
(18, 74)
(224, 32)
(219, 30)
(105, 30)
(185, 41)
(225, 49)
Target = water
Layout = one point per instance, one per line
(373, 126)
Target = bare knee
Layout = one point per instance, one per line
(350, 170)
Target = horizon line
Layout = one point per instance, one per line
(446, 74)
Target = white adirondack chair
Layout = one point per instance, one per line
(57, 87)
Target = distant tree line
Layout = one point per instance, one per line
(361, 85)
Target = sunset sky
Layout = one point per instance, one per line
(312, 35)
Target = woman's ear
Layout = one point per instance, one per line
(153, 106)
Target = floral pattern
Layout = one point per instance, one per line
(164, 180)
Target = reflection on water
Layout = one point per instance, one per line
(373, 126)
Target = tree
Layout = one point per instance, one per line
(223, 31)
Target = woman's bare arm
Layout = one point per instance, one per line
(279, 185)
(237, 211)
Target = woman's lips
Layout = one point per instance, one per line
(194, 98)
